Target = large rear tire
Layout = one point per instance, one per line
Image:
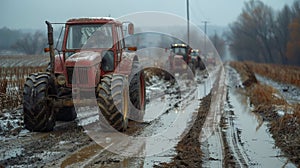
(38, 109)
(113, 101)
(137, 91)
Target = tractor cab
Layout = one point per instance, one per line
(179, 57)
(91, 48)
(195, 56)
(180, 50)
(195, 53)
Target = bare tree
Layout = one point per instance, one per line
(251, 36)
(293, 44)
(281, 30)
(219, 44)
(31, 43)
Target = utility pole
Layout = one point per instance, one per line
(205, 26)
(188, 21)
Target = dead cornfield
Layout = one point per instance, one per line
(12, 81)
(280, 73)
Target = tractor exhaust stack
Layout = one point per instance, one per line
(51, 48)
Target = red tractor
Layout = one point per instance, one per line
(179, 58)
(92, 66)
(196, 60)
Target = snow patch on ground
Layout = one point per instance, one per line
(11, 122)
(290, 92)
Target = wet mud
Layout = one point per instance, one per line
(188, 149)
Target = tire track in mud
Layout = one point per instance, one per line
(235, 155)
(42, 149)
(247, 143)
(69, 145)
(102, 157)
(211, 133)
(188, 149)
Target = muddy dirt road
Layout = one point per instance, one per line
(169, 111)
(209, 125)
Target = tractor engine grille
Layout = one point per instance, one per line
(178, 61)
(78, 75)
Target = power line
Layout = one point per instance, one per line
(188, 21)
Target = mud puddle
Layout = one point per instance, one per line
(247, 134)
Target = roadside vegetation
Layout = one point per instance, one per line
(280, 73)
(12, 78)
(267, 102)
(262, 34)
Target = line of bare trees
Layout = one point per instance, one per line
(263, 35)
(30, 43)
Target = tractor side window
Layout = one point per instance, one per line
(74, 38)
(120, 37)
(107, 63)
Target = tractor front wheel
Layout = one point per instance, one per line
(38, 109)
(113, 101)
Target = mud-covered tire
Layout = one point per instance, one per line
(192, 67)
(137, 92)
(66, 114)
(38, 110)
(201, 66)
(112, 94)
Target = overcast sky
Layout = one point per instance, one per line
(18, 14)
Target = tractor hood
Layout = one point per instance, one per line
(84, 59)
(178, 56)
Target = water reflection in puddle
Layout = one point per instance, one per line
(248, 136)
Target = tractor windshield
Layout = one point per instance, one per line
(179, 51)
(89, 36)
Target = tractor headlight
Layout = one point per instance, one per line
(61, 79)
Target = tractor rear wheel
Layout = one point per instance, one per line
(113, 101)
(137, 92)
(38, 109)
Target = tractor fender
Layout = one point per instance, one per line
(125, 66)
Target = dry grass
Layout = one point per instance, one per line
(266, 100)
(241, 68)
(279, 73)
(286, 132)
(265, 95)
(11, 85)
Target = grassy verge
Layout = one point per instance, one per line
(267, 101)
